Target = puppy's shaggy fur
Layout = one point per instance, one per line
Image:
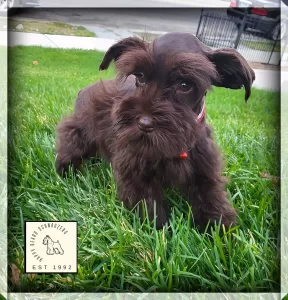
(145, 123)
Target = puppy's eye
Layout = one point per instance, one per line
(140, 78)
(185, 86)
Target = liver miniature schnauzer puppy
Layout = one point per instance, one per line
(149, 122)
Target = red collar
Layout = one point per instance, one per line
(200, 117)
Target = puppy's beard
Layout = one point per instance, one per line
(153, 145)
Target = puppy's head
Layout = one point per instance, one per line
(45, 240)
(171, 77)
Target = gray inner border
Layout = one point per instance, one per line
(128, 296)
(3, 164)
(284, 189)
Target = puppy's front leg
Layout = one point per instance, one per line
(132, 191)
(210, 203)
(206, 191)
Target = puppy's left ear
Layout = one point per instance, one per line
(115, 51)
(233, 69)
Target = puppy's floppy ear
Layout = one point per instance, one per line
(233, 69)
(115, 51)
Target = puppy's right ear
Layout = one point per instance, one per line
(115, 51)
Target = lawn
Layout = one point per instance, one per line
(116, 252)
(58, 28)
(266, 46)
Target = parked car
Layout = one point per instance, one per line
(262, 17)
(11, 5)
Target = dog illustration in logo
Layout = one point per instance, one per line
(52, 247)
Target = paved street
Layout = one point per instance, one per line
(133, 3)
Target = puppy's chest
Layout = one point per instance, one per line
(170, 172)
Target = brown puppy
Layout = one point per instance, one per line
(149, 122)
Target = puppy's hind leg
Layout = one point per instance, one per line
(72, 145)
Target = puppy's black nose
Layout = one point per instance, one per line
(145, 123)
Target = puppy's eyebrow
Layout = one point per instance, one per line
(192, 66)
(135, 60)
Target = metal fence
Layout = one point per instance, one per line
(257, 40)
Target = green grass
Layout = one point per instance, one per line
(262, 46)
(49, 28)
(116, 252)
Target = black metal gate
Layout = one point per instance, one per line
(244, 32)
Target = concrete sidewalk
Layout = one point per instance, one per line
(58, 41)
(265, 79)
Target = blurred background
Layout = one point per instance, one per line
(113, 3)
(257, 29)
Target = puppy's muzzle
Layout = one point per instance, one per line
(145, 123)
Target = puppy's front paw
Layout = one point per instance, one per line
(227, 215)
(229, 218)
(161, 214)
(62, 166)
(161, 219)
